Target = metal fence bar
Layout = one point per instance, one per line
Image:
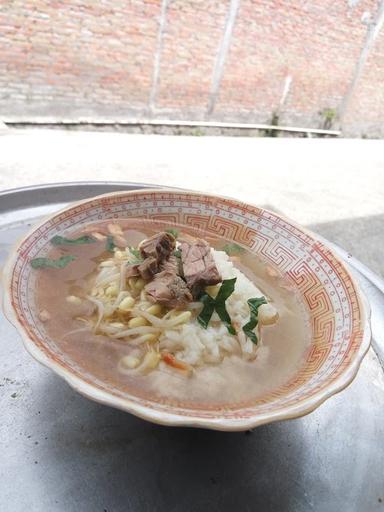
(373, 30)
(157, 59)
(218, 68)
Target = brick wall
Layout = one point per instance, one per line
(293, 61)
(365, 113)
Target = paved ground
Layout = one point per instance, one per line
(336, 187)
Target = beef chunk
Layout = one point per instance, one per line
(157, 252)
(159, 246)
(172, 264)
(199, 267)
(148, 268)
(174, 278)
(132, 271)
(169, 289)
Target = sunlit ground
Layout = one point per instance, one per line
(334, 186)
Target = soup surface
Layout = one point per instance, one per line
(227, 378)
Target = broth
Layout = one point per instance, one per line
(227, 384)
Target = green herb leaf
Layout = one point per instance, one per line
(61, 240)
(218, 305)
(226, 289)
(208, 309)
(110, 244)
(233, 249)
(136, 256)
(136, 253)
(48, 263)
(172, 231)
(177, 253)
(224, 317)
(248, 328)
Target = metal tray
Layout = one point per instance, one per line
(62, 452)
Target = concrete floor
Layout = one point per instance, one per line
(335, 187)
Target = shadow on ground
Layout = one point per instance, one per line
(107, 460)
(363, 237)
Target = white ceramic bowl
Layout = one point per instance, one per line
(339, 314)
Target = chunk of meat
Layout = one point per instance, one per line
(199, 267)
(148, 268)
(132, 271)
(169, 289)
(158, 246)
(157, 254)
(172, 264)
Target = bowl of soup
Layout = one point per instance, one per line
(187, 309)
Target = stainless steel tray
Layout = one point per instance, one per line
(62, 452)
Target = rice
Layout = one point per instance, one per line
(197, 346)
(174, 331)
